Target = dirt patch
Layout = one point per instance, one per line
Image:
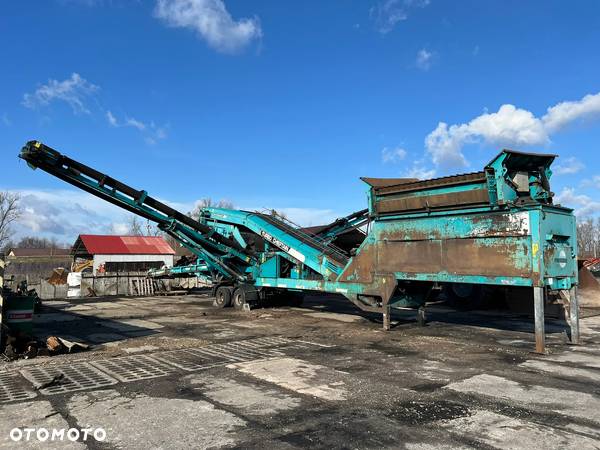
(417, 413)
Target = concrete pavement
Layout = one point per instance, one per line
(172, 372)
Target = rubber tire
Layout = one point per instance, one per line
(222, 297)
(238, 298)
(464, 295)
(295, 299)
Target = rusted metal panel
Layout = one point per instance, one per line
(385, 182)
(409, 256)
(455, 226)
(486, 257)
(500, 225)
(443, 182)
(489, 257)
(418, 202)
(362, 266)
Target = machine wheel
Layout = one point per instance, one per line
(295, 298)
(463, 295)
(222, 297)
(239, 298)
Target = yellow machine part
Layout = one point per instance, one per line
(82, 266)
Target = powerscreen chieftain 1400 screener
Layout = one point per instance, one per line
(496, 227)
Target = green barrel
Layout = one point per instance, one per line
(17, 312)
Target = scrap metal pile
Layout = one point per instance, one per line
(496, 227)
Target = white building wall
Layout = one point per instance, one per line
(166, 260)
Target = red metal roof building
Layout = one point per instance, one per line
(94, 244)
(123, 253)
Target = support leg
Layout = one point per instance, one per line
(421, 318)
(386, 317)
(538, 308)
(574, 315)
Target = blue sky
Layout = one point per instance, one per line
(285, 104)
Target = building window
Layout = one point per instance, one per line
(132, 266)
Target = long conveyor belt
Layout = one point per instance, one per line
(332, 253)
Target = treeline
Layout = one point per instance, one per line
(588, 237)
(34, 242)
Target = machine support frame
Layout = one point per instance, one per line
(539, 297)
(574, 315)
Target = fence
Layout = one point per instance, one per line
(130, 283)
(125, 284)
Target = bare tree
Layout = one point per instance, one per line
(209, 203)
(152, 229)
(588, 237)
(38, 242)
(8, 244)
(135, 226)
(9, 213)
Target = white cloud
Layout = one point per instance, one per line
(63, 214)
(583, 204)
(6, 121)
(119, 228)
(307, 217)
(74, 91)
(562, 114)
(131, 122)
(591, 182)
(424, 59)
(388, 13)
(301, 216)
(418, 170)
(570, 166)
(112, 120)
(393, 155)
(152, 133)
(509, 126)
(211, 20)
(444, 145)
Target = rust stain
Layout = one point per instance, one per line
(470, 257)
(409, 256)
(435, 201)
(466, 256)
(361, 266)
(410, 234)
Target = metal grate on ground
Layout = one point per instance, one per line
(233, 352)
(101, 373)
(75, 377)
(188, 360)
(11, 388)
(267, 341)
(134, 368)
(214, 355)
